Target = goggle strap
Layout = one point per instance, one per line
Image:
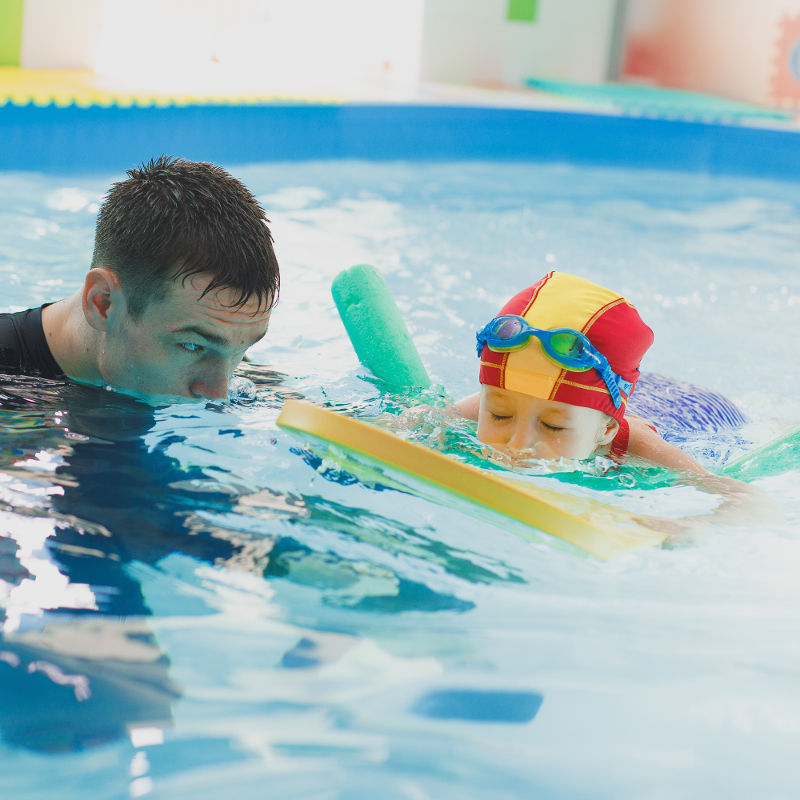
(612, 384)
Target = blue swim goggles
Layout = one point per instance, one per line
(566, 346)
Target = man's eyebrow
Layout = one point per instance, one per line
(207, 335)
(212, 338)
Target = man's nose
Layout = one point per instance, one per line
(212, 384)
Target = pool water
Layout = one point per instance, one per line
(197, 605)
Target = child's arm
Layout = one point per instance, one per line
(740, 501)
(645, 443)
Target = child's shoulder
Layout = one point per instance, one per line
(469, 406)
(634, 420)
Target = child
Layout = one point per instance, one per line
(557, 368)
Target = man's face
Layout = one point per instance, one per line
(185, 344)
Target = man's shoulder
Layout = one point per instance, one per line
(23, 345)
(10, 344)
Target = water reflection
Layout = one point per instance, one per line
(81, 682)
(87, 492)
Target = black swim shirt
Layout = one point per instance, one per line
(23, 346)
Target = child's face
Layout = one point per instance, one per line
(545, 428)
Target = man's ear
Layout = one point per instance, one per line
(101, 293)
(608, 432)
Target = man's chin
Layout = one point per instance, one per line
(152, 399)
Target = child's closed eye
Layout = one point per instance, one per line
(552, 427)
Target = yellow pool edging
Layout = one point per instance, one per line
(84, 88)
(602, 530)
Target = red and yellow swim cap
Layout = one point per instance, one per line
(560, 300)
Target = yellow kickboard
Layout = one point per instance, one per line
(602, 530)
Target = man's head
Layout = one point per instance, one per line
(183, 280)
(591, 364)
(172, 219)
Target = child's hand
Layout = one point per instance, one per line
(430, 422)
(411, 418)
(741, 504)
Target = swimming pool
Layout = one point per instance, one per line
(195, 605)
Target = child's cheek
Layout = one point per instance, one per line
(569, 444)
(490, 431)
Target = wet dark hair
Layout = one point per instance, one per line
(174, 218)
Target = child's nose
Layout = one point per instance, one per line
(523, 437)
(526, 439)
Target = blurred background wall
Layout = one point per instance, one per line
(739, 49)
(734, 48)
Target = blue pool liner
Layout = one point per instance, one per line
(94, 138)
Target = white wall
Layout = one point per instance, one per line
(473, 42)
(58, 34)
(231, 45)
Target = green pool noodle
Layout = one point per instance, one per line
(377, 330)
(774, 457)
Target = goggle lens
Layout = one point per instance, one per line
(567, 345)
(507, 328)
